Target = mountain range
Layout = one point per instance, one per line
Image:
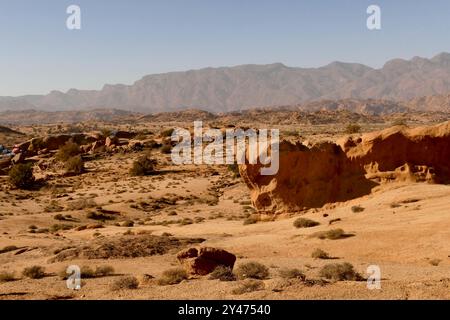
(242, 87)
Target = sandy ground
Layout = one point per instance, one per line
(404, 229)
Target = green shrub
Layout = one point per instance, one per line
(305, 223)
(340, 272)
(21, 176)
(172, 276)
(254, 270)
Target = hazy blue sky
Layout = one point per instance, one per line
(121, 41)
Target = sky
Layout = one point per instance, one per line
(120, 41)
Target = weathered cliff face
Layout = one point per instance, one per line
(329, 172)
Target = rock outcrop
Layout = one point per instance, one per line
(205, 260)
(335, 172)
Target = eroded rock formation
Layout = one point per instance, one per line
(334, 172)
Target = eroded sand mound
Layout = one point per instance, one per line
(334, 172)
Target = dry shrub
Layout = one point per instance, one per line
(124, 283)
(249, 285)
(292, 274)
(143, 166)
(254, 270)
(34, 272)
(305, 223)
(67, 151)
(352, 128)
(340, 272)
(21, 176)
(320, 254)
(74, 165)
(172, 276)
(333, 234)
(7, 276)
(223, 273)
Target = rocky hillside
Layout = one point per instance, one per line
(234, 88)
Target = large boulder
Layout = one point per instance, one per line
(205, 260)
(335, 172)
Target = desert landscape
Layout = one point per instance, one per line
(361, 183)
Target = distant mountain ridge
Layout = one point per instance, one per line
(242, 87)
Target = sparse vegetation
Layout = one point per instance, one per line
(356, 209)
(333, 234)
(305, 223)
(248, 285)
(352, 128)
(74, 165)
(172, 276)
(125, 283)
(7, 276)
(254, 270)
(340, 272)
(21, 176)
(292, 274)
(67, 151)
(143, 166)
(320, 254)
(222, 273)
(34, 272)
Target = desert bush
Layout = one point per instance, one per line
(80, 204)
(254, 270)
(250, 220)
(68, 150)
(34, 272)
(223, 273)
(74, 165)
(249, 285)
(333, 234)
(339, 272)
(167, 133)
(58, 227)
(292, 274)
(172, 276)
(7, 277)
(104, 271)
(87, 272)
(21, 176)
(143, 166)
(99, 216)
(352, 128)
(356, 209)
(129, 283)
(166, 148)
(320, 254)
(305, 223)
